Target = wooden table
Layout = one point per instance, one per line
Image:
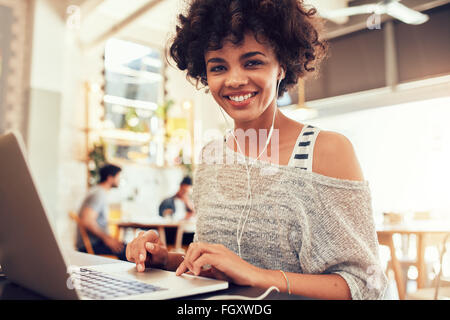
(159, 226)
(422, 230)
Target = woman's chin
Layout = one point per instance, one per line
(244, 118)
(243, 115)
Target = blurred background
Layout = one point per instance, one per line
(86, 82)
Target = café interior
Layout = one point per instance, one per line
(88, 82)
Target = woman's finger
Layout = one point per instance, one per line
(189, 250)
(196, 251)
(152, 248)
(181, 269)
(141, 256)
(151, 236)
(153, 251)
(139, 252)
(204, 259)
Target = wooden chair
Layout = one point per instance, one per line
(386, 240)
(437, 292)
(85, 237)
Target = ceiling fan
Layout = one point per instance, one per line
(390, 7)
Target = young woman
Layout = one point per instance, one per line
(306, 227)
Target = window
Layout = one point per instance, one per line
(133, 90)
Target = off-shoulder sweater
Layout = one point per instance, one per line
(300, 221)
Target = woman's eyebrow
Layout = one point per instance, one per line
(216, 60)
(244, 56)
(251, 54)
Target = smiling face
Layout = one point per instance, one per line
(243, 78)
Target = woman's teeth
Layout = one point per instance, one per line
(241, 98)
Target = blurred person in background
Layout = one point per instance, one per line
(94, 212)
(179, 206)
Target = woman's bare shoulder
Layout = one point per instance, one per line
(334, 156)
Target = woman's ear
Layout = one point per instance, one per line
(281, 75)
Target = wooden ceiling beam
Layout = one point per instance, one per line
(124, 23)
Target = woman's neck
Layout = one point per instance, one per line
(251, 143)
(264, 121)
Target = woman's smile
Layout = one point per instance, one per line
(241, 99)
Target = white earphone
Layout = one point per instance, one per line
(249, 190)
(282, 74)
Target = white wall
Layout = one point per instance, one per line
(404, 151)
(48, 47)
(54, 122)
(45, 100)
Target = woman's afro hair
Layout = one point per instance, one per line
(290, 28)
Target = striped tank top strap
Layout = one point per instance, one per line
(302, 155)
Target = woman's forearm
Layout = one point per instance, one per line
(318, 286)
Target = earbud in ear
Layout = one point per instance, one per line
(282, 75)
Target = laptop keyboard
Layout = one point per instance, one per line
(99, 286)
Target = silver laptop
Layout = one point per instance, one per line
(31, 256)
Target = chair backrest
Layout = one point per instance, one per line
(444, 248)
(83, 232)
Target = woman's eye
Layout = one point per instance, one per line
(217, 68)
(253, 63)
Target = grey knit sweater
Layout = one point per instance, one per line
(300, 221)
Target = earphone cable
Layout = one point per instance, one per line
(249, 194)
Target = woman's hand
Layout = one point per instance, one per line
(147, 250)
(220, 262)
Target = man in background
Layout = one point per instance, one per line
(94, 213)
(179, 206)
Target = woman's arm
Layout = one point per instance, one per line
(318, 286)
(238, 271)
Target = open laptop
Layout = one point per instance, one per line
(31, 256)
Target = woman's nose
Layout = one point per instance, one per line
(236, 80)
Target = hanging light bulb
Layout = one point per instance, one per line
(187, 105)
